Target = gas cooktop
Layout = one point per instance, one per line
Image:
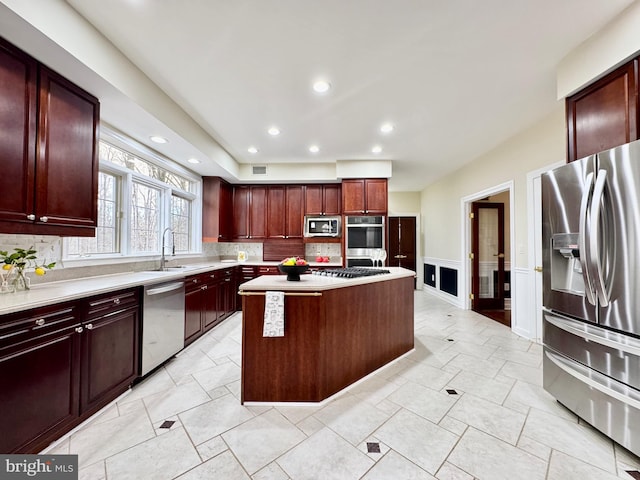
(351, 272)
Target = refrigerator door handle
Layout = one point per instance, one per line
(594, 235)
(585, 258)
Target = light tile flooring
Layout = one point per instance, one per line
(499, 423)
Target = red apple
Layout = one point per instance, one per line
(301, 261)
(319, 259)
(325, 259)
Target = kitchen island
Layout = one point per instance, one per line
(337, 331)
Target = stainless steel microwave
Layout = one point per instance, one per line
(322, 226)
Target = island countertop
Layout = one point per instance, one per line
(315, 283)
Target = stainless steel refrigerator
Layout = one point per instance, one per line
(591, 278)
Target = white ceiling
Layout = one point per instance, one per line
(455, 77)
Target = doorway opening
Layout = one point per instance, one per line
(489, 233)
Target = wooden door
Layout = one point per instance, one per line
(313, 202)
(40, 376)
(241, 196)
(603, 115)
(67, 155)
(258, 212)
(193, 310)
(18, 101)
(488, 256)
(294, 214)
(353, 196)
(376, 196)
(402, 242)
(276, 213)
(331, 198)
(109, 356)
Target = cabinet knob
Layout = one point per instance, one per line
(44, 219)
(116, 301)
(204, 287)
(79, 329)
(40, 322)
(31, 217)
(195, 280)
(89, 326)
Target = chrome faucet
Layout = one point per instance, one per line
(173, 247)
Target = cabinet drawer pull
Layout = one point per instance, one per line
(89, 326)
(195, 280)
(227, 279)
(40, 322)
(31, 217)
(79, 329)
(204, 287)
(44, 219)
(116, 301)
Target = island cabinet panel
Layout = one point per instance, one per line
(364, 196)
(604, 114)
(40, 372)
(332, 339)
(217, 210)
(283, 369)
(110, 347)
(49, 150)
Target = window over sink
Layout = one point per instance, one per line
(140, 194)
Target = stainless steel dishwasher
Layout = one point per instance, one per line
(162, 323)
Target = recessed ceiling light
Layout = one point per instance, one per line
(158, 139)
(376, 149)
(321, 86)
(314, 148)
(273, 131)
(252, 150)
(193, 160)
(386, 127)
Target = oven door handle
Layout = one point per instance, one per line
(632, 399)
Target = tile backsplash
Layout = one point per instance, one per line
(49, 250)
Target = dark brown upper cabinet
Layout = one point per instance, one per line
(604, 114)
(364, 196)
(217, 210)
(285, 211)
(49, 150)
(323, 200)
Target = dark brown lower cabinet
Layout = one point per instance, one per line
(110, 348)
(59, 365)
(209, 299)
(39, 376)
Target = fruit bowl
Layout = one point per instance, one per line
(293, 271)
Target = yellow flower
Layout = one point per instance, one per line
(40, 271)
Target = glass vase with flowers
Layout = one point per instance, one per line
(14, 265)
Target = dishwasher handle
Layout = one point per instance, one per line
(169, 287)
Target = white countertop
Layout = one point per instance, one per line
(314, 283)
(56, 292)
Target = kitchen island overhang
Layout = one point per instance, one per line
(336, 332)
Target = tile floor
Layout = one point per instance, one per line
(466, 404)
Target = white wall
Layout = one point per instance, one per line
(540, 145)
(608, 48)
